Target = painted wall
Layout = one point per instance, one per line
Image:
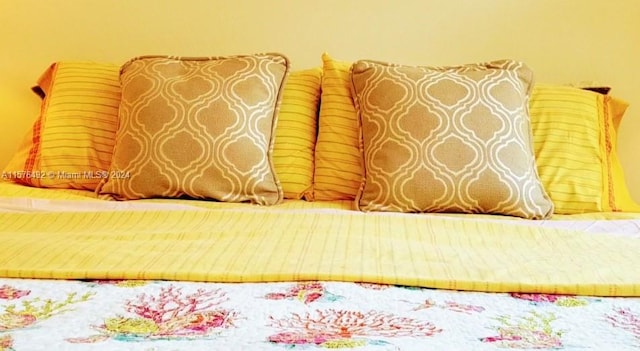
(564, 41)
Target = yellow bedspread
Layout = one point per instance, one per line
(254, 244)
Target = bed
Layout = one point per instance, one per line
(333, 236)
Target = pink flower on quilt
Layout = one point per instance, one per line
(8, 292)
(200, 323)
(625, 319)
(306, 292)
(531, 331)
(13, 321)
(449, 305)
(169, 314)
(501, 338)
(341, 328)
(536, 297)
(560, 300)
(461, 307)
(6, 343)
(374, 286)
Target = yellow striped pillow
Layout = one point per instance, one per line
(338, 162)
(71, 142)
(575, 136)
(296, 133)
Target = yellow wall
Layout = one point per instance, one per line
(564, 41)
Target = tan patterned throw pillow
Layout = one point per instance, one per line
(447, 139)
(198, 127)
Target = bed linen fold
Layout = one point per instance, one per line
(254, 245)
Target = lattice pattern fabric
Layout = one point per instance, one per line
(450, 139)
(198, 127)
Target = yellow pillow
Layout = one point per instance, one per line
(296, 133)
(94, 88)
(575, 137)
(338, 163)
(198, 127)
(70, 144)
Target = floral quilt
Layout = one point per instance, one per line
(189, 316)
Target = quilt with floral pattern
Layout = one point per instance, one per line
(189, 316)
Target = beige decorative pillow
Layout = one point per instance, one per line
(198, 127)
(447, 139)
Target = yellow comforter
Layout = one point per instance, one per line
(245, 243)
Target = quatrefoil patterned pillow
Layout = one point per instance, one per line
(199, 128)
(447, 139)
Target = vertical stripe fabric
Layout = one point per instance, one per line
(71, 142)
(296, 133)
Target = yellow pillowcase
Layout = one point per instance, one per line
(70, 144)
(296, 133)
(338, 163)
(575, 137)
(80, 104)
(579, 177)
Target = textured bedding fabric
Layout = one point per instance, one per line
(321, 299)
(188, 316)
(259, 244)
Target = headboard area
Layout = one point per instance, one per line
(573, 42)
